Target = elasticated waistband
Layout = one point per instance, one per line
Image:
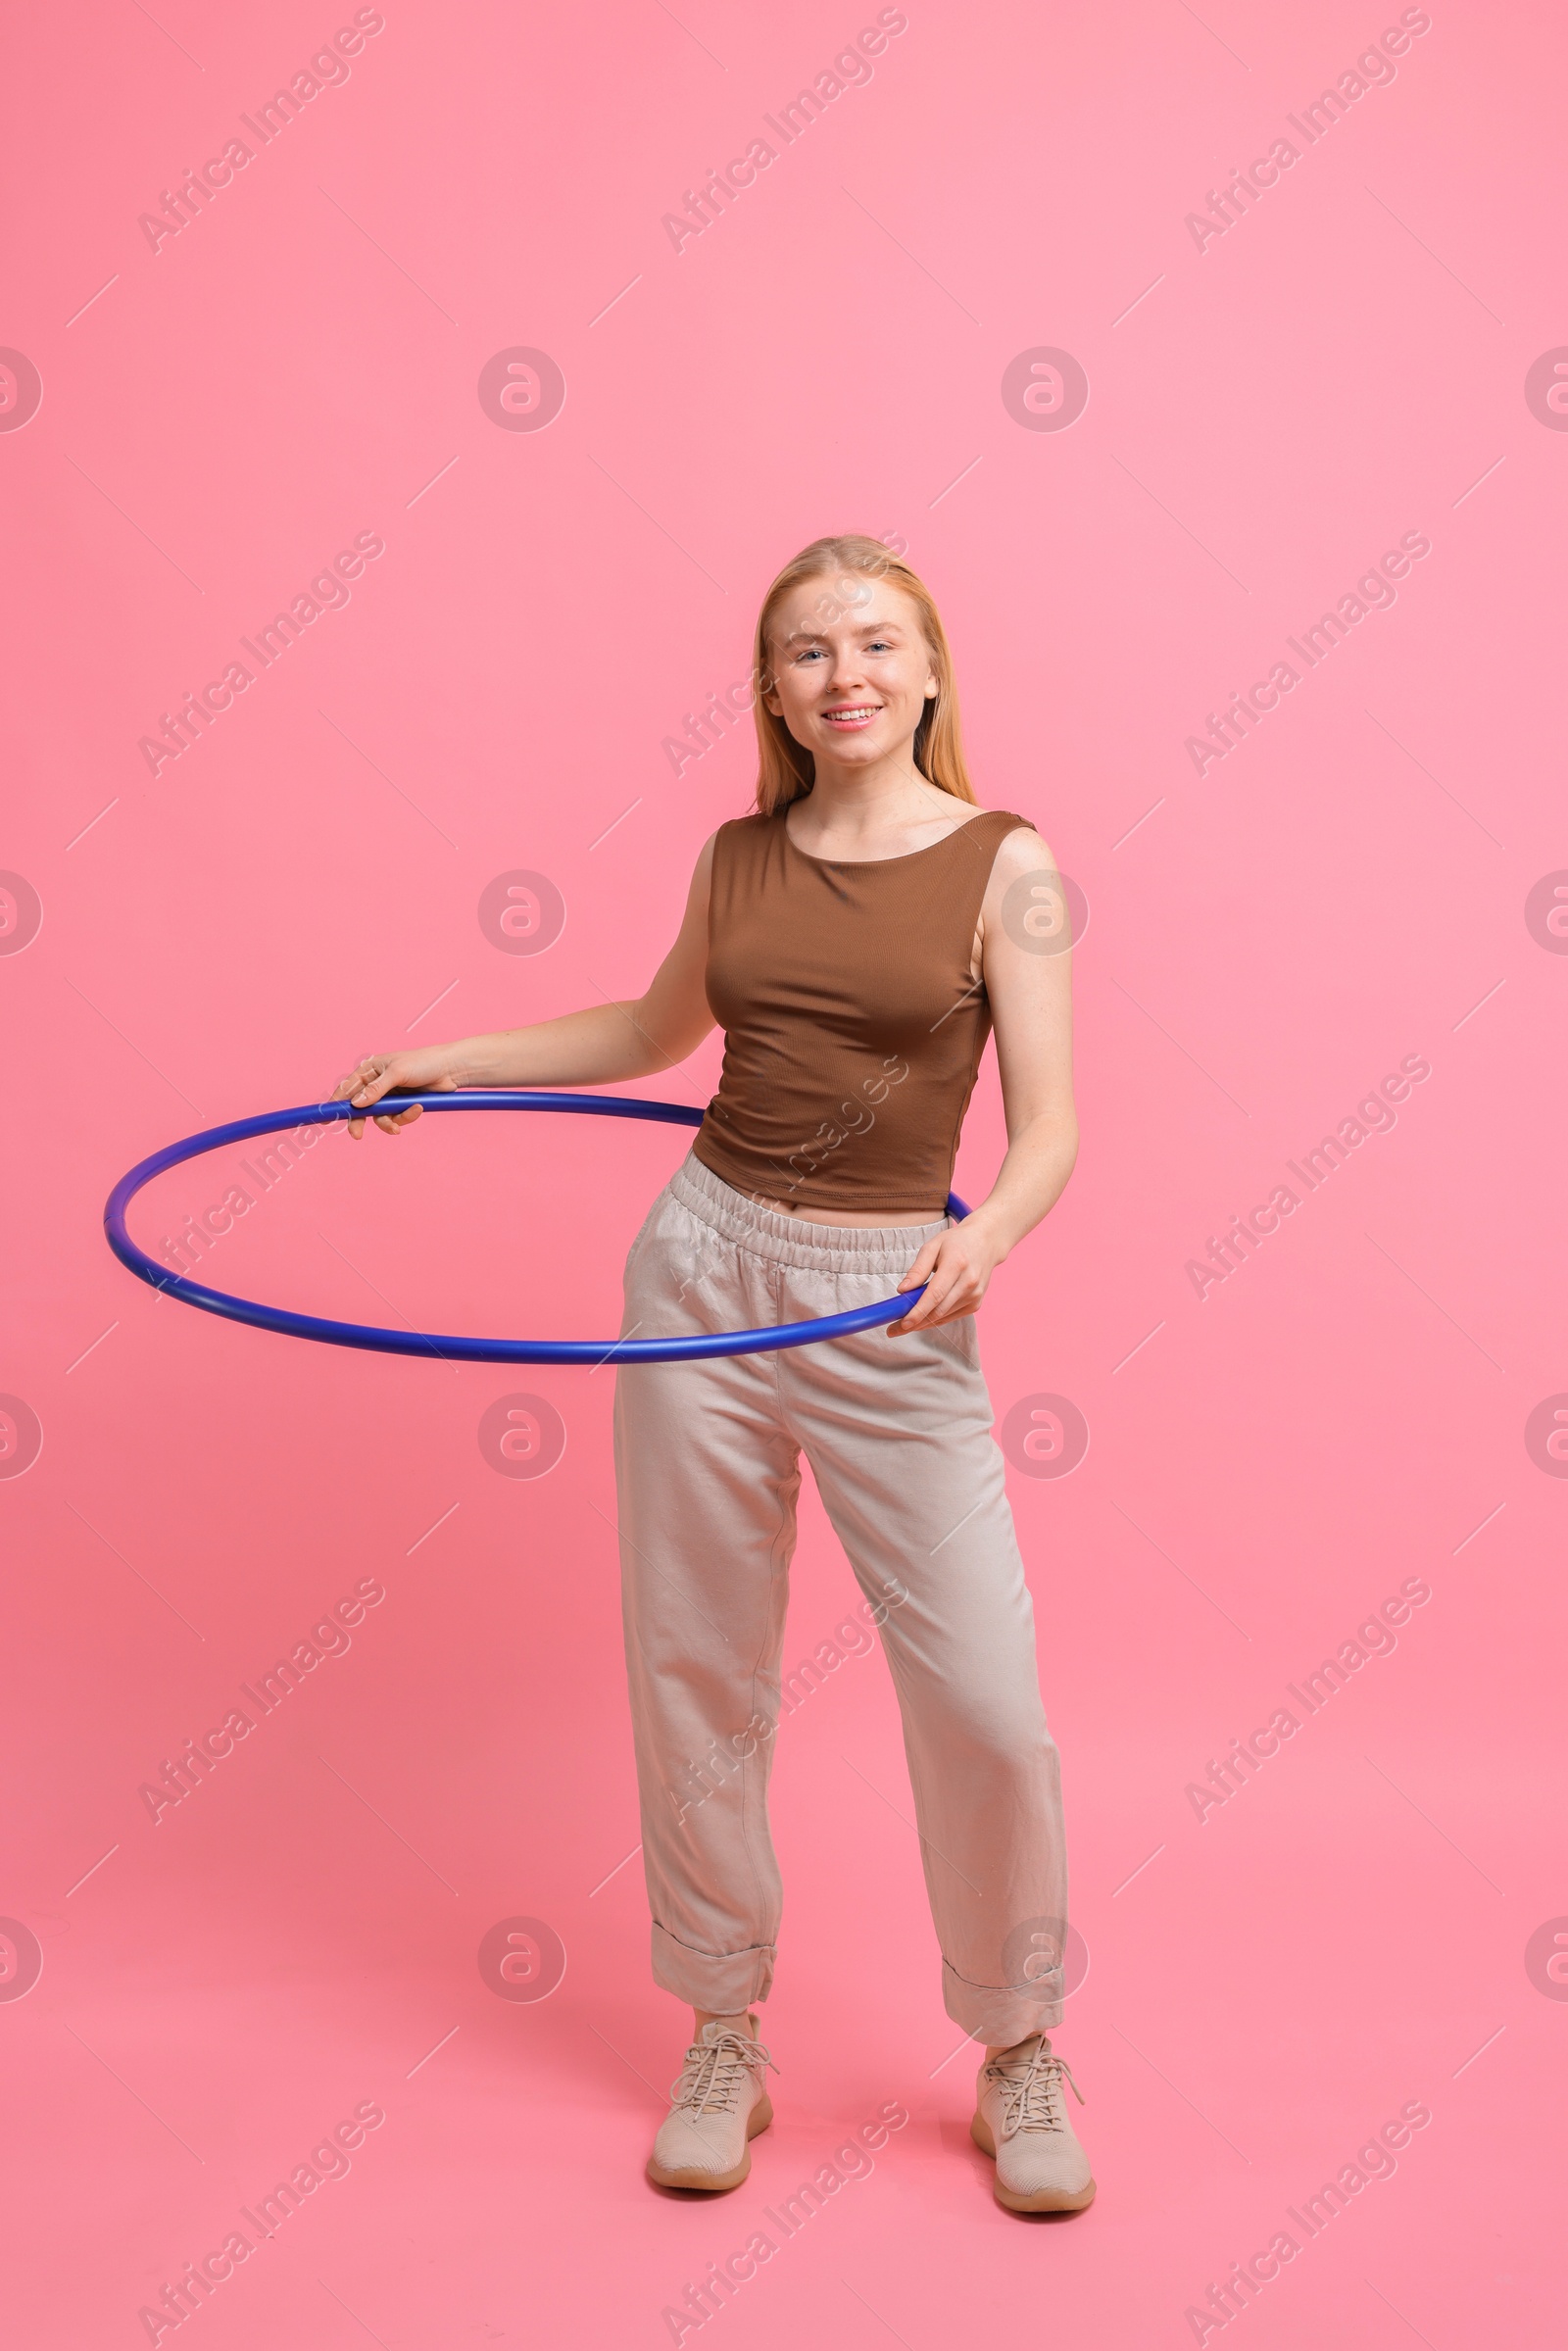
(790, 1240)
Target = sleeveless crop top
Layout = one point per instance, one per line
(853, 1028)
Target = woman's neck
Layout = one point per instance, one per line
(889, 809)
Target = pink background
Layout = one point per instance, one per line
(299, 364)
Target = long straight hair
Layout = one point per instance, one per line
(785, 769)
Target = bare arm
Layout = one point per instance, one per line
(1026, 965)
(595, 1047)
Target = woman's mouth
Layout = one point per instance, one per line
(852, 715)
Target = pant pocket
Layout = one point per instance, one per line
(679, 1275)
(959, 1340)
(642, 1233)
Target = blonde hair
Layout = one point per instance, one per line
(785, 769)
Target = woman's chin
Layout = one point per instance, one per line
(856, 750)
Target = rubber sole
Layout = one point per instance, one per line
(1046, 2199)
(714, 2184)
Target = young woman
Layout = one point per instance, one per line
(856, 938)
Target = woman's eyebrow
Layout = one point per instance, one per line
(817, 636)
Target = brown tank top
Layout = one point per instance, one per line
(853, 1028)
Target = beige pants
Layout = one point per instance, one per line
(898, 1435)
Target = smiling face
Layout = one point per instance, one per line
(852, 671)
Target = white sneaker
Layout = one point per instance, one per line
(718, 2107)
(1021, 2118)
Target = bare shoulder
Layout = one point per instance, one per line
(1026, 904)
(1020, 852)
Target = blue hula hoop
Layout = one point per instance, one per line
(445, 1346)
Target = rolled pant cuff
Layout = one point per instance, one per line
(723, 1983)
(996, 2014)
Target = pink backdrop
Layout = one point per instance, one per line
(1284, 386)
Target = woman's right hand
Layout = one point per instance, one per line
(424, 1072)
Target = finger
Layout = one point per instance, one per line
(957, 1304)
(355, 1128)
(918, 1274)
(945, 1283)
(919, 1310)
(920, 1270)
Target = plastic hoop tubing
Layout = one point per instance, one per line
(443, 1346)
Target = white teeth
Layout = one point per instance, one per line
(867, 712)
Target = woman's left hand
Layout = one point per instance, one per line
(955, 1269)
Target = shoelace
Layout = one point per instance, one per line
(1031, 2091)
(711, 2078)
